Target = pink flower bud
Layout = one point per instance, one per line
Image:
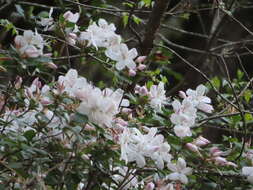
(141, 67)
(201, 141)
(126, 110)
(231, 164)
(131, 72)
(18, 82)
(215, 151)
(121, 122)
(150, 186)
(182, 94)
(51, 65)
(48, 54)
(89, 128)
(220, 160)
(72, 35)
(141, 59)
(192, 147)
(143, 91)
(37, 82)
(45, 101)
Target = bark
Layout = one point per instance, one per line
(153, 24)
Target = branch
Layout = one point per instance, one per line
(153, 24)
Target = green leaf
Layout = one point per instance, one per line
(29, 135)
(240, 74)
(125, 19)
(248, 117)
(247, 95)
(216, 82)
(147, 3)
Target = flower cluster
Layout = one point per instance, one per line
(103, 35)
(156, 95)
(101, 106)
(135, 147)
(31, 44)
(186, 112)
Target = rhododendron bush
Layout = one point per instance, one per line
(60, 128)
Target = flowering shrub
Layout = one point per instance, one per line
(60, 130)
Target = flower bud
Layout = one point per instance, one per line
(141, 67)
(121, 122)
(150, 186)
(51, 65)
(182, 94)
(89, 128)
(143, 91)
(215, 151)
(192, 147)
(131, 72)
(126, 110)
(201, 141)
(220, 160)
(18, 82)
(141, 59)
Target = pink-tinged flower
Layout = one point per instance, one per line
(101, 35)
(199, 100)
(69, 16)
(135, 147)
(157, 97)
(141, 59)
(201, 141)
(47, 23)
(30, 44)
(122, 55)
(141, 67)
(180, 171)
(32, 51)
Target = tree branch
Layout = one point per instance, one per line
(153, 24)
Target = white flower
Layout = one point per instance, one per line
(157, 96)
(135, 147)
(179, 171)
(69, 16)
(101, 107)
(248, 171)
(48, 23)
(122, 56)
(71, 82)
(101, 35)
(199, 100)
(183, 118)
(30, 44)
